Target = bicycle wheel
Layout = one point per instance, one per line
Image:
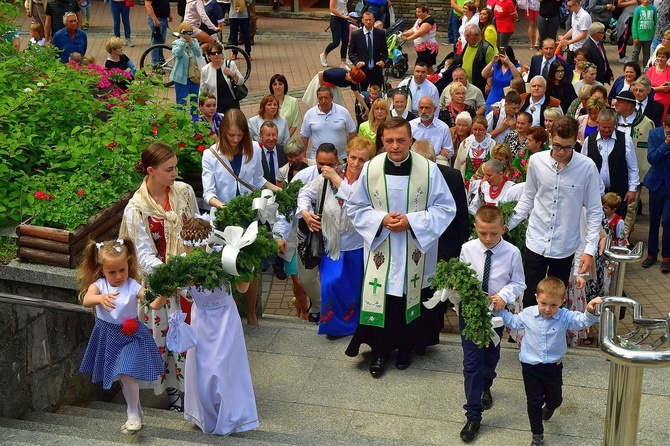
(158, 73)
(243, 61)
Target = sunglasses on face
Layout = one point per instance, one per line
(214, 53)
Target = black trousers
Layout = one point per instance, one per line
(536, 267)
(543, 384)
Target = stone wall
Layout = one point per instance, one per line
(41, 350)
(439, 10)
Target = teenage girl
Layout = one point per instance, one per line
(218, 394)
(120, 346)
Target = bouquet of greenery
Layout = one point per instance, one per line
(516, 236)
(457, 275)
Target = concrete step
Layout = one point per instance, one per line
(21, 437)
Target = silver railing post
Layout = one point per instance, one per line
(629, 354)
(620, 257)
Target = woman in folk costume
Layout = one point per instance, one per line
(153, 219)
(341, 268)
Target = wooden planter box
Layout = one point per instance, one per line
(49, 246)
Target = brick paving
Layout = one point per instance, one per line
(291, 47)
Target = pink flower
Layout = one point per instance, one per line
(523, 162)
(522, 152)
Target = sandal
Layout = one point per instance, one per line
(587, 341)
(175, 400)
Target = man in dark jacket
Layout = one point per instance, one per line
(369, 59)
(597, 54)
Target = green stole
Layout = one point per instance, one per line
(377, 266)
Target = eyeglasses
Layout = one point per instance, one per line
(558, 148)
(560, 71)
(214, 53)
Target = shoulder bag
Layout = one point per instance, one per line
(239, 91)
(310, 244)
(238, 179)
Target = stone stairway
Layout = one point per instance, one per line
(309, 393)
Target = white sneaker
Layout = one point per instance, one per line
(324, 60)
(624, 60)
(129, 43)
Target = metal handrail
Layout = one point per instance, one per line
(41, 303)
(621, 254)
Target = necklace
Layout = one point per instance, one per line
(494, 191)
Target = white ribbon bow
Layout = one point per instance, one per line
(234, 238)
(443, 295)
(266, 207)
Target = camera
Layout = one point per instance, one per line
(501, 50)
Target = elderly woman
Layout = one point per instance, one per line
(550, 116)
(502, 153)
(288, 105)
(459, 132)
(536, 141)
(231, 167)
(217, 77)
(449, 111)
(153, 219)
(631, 71)
(341, 267)
(269, 111)
(492, 189)
(295, 152)
(423, 34)
(579, 103)
(475, 149)
(379, 112)
(665, 43)
(659, 76)
(184, 49)
(588, 123)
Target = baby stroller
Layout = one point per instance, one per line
(610, 32)
(398, 62)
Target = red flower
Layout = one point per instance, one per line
(154, 129)
(129, 327)
(157, 320)
(198, 136)
(80, 192)
(161, 350)
(43, 195)
(113, 145)
(201, 148)
(146, 318)
(182, 145)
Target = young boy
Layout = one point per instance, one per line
(613, 223)
(542, 348)
(498, 266)
(373, 93)
(645, 19)
(36, 35)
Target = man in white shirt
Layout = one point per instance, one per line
(426, 126)
(473, 95)
(327, 122)
(614, 155)
(575, 37)
(417, 86)
(560, 182)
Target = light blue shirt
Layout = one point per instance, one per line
(544, 339)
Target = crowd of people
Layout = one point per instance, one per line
(393, 190)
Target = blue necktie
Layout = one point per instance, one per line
(271, 167)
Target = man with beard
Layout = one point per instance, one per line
(427, 126)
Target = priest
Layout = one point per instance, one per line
(401, 205)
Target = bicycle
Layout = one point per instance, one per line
(160, 72)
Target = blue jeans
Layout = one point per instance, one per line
(454, 24)
(120, 12)
(659, 212)
(157, 55)
(654, 43)
(339, 29)
(182, 91)
(238, 26)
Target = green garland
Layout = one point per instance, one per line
(204, 269)
(516, 236)
(458, 275)
(239, 212)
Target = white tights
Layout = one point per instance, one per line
(131, 392)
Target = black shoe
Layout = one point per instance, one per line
(547, 413)
(538, 440)
(403, 360)
(469, 431)
(279, 272)
(648, 262)
(665, 265)
(377, 367)
(487, 399)
(314, 317)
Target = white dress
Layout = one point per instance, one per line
(218, 394)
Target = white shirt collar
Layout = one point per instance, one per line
(396, 163)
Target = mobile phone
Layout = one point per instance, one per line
(501, 50)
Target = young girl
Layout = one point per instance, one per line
(218, 394)
(207, 108)
(120, 346)
(117, 59)
(85, 6)
(613, 223)
(36, 35)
